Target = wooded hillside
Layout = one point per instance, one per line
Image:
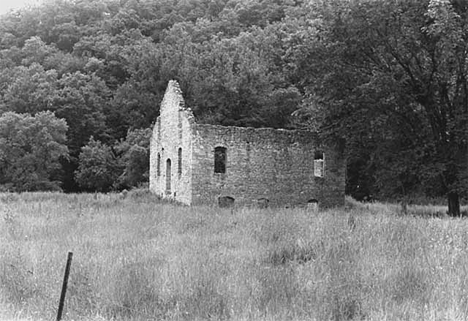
(388, 77)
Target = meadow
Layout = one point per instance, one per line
(136, 258)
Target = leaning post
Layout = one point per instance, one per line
(64, 286)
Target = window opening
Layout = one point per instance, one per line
(168, 176)
(319, 164)
(180, 162)
(158, 165)
(220, 160)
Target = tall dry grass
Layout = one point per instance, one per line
(138, 259)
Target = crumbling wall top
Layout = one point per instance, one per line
(173, 98)
(266, 134)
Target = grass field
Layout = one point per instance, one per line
(138, 259)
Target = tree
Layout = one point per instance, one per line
(98, 167)
(35, 51)
(126, 164)
(134, 158)
(396, 72)
(30, 150)
(29, 89)
(230, 81)
(82, 99)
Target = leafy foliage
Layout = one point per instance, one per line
(103, 66)
(398, 83)
(124, 165)
(98, 167)
(134, 158)
(30, 150)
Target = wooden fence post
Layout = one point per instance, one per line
(64, 286)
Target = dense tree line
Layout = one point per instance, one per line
(388, 77)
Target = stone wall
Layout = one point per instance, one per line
(264, 167)
(265, 164)
(172, 133)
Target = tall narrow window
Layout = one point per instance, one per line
(158, 165)
(220, 160)
(179, 168)
(168, 176)
(319, 164)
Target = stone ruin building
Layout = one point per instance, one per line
(196, 164)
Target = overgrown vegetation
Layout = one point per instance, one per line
(136, 258)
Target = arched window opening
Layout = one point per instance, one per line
(220, 160)
(158, 165)
(168, 176)
(319, 164)
(179, 168)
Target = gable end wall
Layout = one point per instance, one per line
(172, 130)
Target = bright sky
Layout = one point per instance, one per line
(6, 5)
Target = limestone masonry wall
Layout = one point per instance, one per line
(277, 165)
(262, 166)
(172, 138)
